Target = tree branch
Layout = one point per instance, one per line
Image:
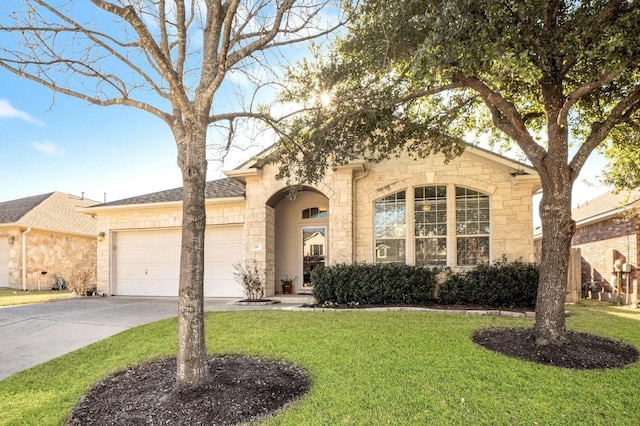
(107, 102)
(129, 14)
(587, 89)
(505, 117)
(622, 112)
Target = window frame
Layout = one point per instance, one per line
(320, 213)
(452, 239)
(476, 233)
(390, 239)
(434, 200)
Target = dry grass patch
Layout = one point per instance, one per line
(12, 296)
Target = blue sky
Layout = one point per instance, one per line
(55, 143)
(51, 142)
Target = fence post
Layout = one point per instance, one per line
(574, 277)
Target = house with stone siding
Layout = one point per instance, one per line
(475, 208)
(45, 235)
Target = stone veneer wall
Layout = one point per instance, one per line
(15, 259)
(260, 239)
(510, 202)
(53, 252)
(153, 217)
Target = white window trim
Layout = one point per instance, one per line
(451, 238)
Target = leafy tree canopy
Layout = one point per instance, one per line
(448, 69)
(426, 75)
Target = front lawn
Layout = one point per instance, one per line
(367, 368)
(12, 296)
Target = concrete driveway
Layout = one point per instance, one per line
(33, 334)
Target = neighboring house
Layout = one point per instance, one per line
(607, 236)
(42, 236)
(607, 239)
(476, 208)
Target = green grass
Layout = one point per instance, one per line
(401, 368)
(12, 296)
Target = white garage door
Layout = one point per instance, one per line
(147, 263)
(4, 262)
(223, 246)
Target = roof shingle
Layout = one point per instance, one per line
(221, 188)
(605, 203)
(12, 211)
(55, 211)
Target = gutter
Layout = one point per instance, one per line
(353, 211)
(23, 239)
(156, 205)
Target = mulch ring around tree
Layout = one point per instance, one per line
(581, 351)
(240, 389)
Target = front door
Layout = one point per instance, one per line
(314, 251)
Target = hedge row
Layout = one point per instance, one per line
(503, 284)
(373, 284)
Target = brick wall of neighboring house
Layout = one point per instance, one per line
(53, 252)
(604, 242)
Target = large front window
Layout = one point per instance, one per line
(472, 226)
(391, 228)
(430, 220)
(419, 226)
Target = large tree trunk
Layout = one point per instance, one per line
(191, 370)
(557, 230)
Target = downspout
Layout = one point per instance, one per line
(353, 212)
(23, 239)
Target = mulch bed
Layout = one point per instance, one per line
(240, 389)
(245, 389)
(580, 351)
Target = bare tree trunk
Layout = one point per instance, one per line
(558, 229)
(191, 369)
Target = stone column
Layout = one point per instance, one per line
(259, 231)
(341, 218)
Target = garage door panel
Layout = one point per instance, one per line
(223, 247)
(148, 262)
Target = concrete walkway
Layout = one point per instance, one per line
(33, 334)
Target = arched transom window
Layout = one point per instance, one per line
(314, 213)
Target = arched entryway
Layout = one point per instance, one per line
(301, 236)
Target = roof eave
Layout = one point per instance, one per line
(6, 226)
(600, 217)
(152, 205)
(499, 159)
(357, 165)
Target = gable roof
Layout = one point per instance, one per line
(12, 211)
(54, 211)
(221, 188)
(604, 206)
(520, 171)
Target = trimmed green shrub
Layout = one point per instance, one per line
(503, 284)
(363, 283)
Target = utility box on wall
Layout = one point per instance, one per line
(615, 260)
